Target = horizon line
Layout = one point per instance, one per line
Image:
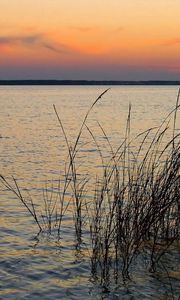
(85, 82)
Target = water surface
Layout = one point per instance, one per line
(33, 150)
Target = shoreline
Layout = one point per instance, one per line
(88, 82)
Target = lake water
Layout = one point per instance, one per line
(33, 150)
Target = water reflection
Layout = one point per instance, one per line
(32, 149)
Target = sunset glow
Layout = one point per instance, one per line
(120, 40)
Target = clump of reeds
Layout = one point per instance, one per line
(136, 201)
(136, 204)
(69, 190)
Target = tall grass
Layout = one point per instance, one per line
(136, 203)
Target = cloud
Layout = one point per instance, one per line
(171, 42)
(119, 29)
(84, 28)
(35, 40)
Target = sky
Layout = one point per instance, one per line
(90, 39)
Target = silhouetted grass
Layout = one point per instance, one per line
(136, 202)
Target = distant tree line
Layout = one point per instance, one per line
(87, 82)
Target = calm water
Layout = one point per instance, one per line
(33, 150)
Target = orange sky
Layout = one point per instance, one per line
(97, 39)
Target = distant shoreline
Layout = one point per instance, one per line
(88, 82)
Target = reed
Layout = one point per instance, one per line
(136, 203)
